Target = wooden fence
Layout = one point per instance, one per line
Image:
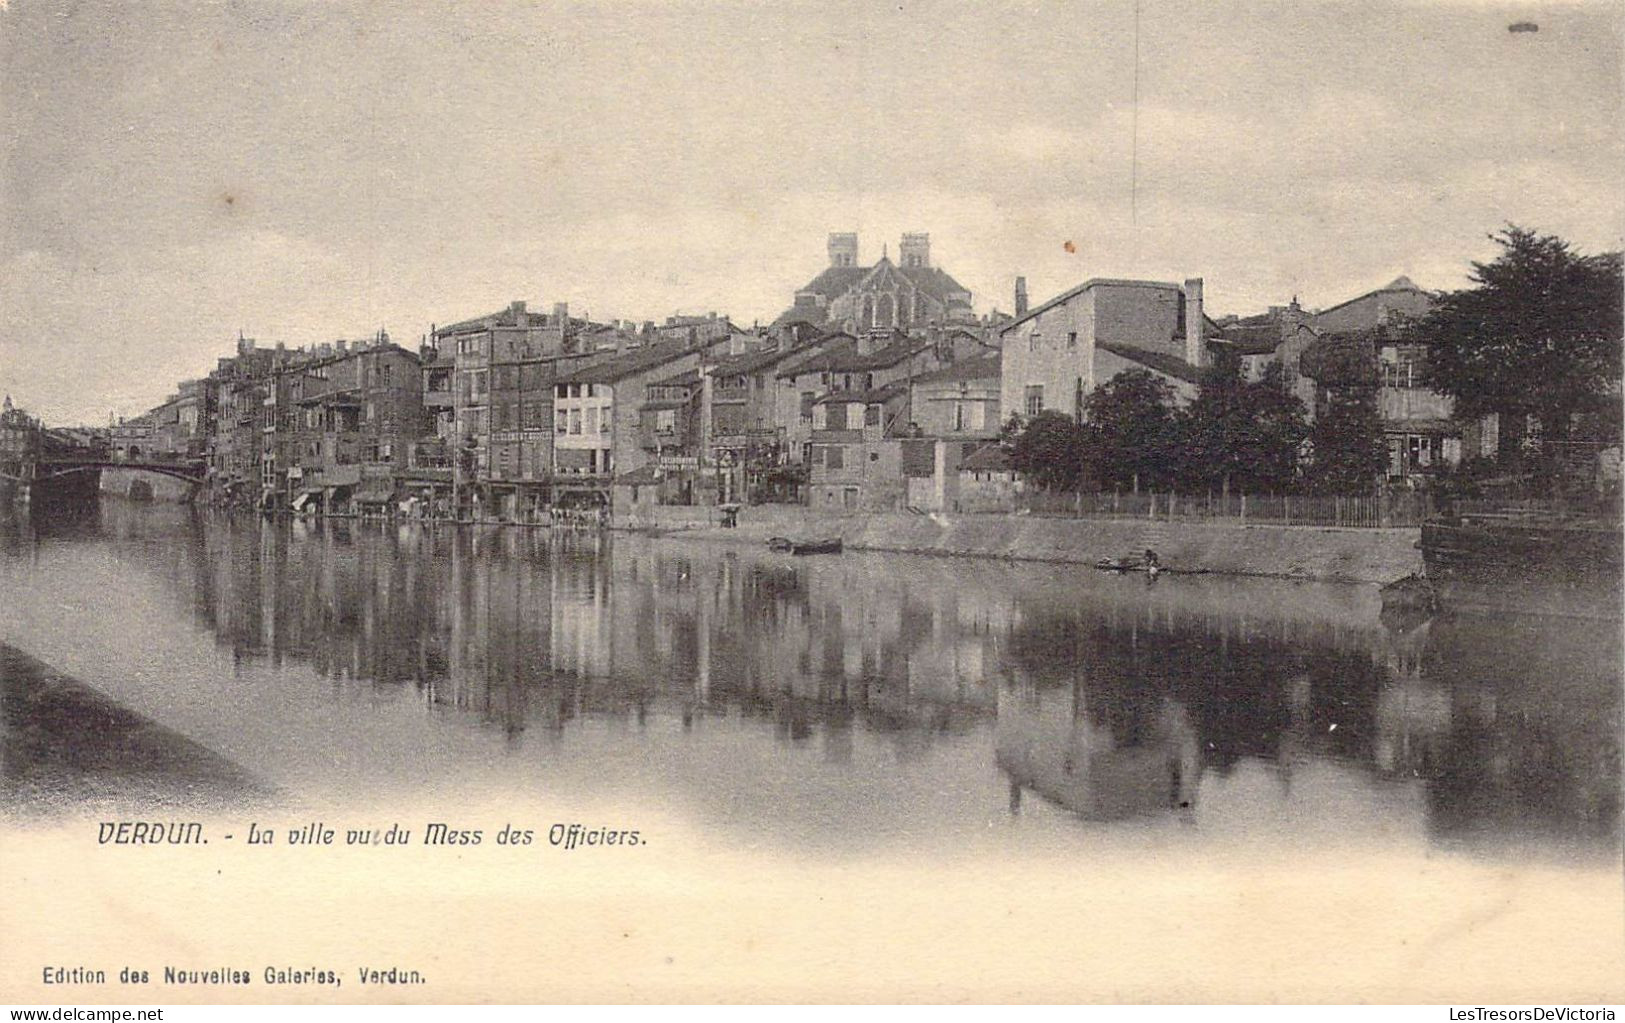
(1389, 510)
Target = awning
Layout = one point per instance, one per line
(303, 499)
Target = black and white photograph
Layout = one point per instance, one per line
(1107, 503)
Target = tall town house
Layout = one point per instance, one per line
(1055, 355)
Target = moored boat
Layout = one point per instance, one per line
(828, 545)
(1525, 563)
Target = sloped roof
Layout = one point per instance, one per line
(832, 347)
(873, 396)
(628, 364)
(1162, 362)
(1080, 289)
(1400, 283)
(836, 281)
(986, 367)
(1251, 339)
(988, 458)
(933, 281)
(884, 358)
(751, 362)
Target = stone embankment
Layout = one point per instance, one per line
(1229, 548)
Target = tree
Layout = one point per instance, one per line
(1242, 435)
(1349, 453)
(1050, 450)
(1135, 427)
(1538, 335)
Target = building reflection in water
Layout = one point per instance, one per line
(1108, 701)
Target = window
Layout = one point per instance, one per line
(1404, 373)
(480, 383)
(835, 456)
(871, 415)
(666, 421)
(1072, 339)
(592, 421)
(561, 421)
(1035, 399)
(575, 421)
(960, 416)
(1032, 341)
(807, 399)
(834, 416)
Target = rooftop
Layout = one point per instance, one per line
(872, 396)
(1162, 362)
(984, 367)
(1092, 282)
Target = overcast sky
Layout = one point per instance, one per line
(172, 174)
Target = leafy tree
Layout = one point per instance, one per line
(1050, 450)
(1349, 453)
(1242, 435)
(1539, 334)
(1136, 430)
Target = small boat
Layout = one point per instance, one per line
(782, 544)
(1124, 565)
(830, 545)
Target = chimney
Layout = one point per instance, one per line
(561, 314)
(341, 346)
(1195, 348)
(1021, 296)
(520, 317)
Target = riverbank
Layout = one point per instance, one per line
(1229, 548)
(67, 745)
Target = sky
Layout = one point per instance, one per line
(174, 174)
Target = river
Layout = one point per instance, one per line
(852, 702)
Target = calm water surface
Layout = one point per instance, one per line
(856, 702)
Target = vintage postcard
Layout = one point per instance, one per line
(1105, 502)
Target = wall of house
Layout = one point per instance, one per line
(935, 404)
(1368, 311)
(1052, 360)
(1146, 315)
(1109, 364)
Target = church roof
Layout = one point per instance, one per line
(836, 281)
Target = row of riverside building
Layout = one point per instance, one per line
(878, 388)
